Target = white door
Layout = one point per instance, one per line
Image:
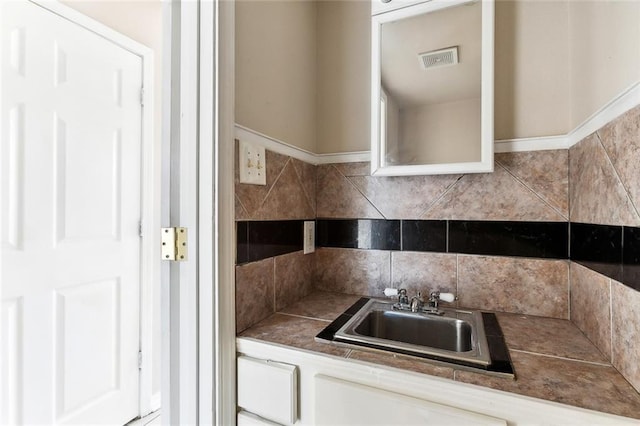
(71, 144)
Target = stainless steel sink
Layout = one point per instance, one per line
(456, 334)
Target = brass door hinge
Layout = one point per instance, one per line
(174, 244)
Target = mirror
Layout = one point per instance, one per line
(432, 89)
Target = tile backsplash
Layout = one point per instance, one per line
(604, 197)
(530, 186)
(464, 233)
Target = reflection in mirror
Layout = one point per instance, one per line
(430, 97)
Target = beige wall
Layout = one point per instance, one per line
(604, 46)
(276, 69)
(557, 62)
(531, 69)
(344, 81)
(142, 22)
(433, 134)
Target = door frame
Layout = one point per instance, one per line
(199, 380)
(150, 192)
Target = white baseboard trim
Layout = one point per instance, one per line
(628, 99)
(531, 144)
(622, 103)
(280, 147)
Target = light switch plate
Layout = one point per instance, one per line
(309, 244)
(253, 164)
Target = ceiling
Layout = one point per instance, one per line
(403, 78)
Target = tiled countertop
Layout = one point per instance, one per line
(553, 360)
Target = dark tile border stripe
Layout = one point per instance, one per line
(375, 234)
(424, 235)
(598, 247)
(501, 238)
(631, 257)
(258, 240)
(613, 251)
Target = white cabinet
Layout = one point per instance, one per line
(268, 389)
(347, 403)
(333, 390)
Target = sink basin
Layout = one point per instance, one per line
(456, 335)
(450, 334)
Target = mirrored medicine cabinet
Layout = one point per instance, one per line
(432, 88)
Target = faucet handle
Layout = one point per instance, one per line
(390, 292)
(403, 299)
(447, 297)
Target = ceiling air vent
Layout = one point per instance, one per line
(438, 58)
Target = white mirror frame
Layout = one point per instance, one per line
(487, 84)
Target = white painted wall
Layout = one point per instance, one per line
(441, 133)
(276, 69)
(532, 96)
(604, 48)
(344, 77)
(557, 62)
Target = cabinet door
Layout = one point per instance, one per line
(341, 402)
(249, 419)
(268, 389)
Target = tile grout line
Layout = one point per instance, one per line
(303, 316)
(303, 186)
(602, 364)
(457, 280)
(446, 191)
(615, 171)
(275, 305)
(569, 290)
(361, 193)
(538, 196)
(275, 182)
(241, 205)
(611, 321)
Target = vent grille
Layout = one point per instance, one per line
(438, 58)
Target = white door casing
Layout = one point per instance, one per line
(71, 210)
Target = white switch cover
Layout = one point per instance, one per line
(252, 164)
(309, 245)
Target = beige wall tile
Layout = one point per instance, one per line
(287, 198)
(293, 277)
(518, 285)
(621, 140)
(403, 197)
(241, 212)
(626, 332)
(491, 196)
(590, 306)
(337, 197)
(308, 178)
(424, 272)
(596, 195)
(354, 169)
(544, 172)
(254, 293)
(361, 272)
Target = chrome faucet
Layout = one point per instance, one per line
(434, 300)
(417, 303)
(403, 299)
